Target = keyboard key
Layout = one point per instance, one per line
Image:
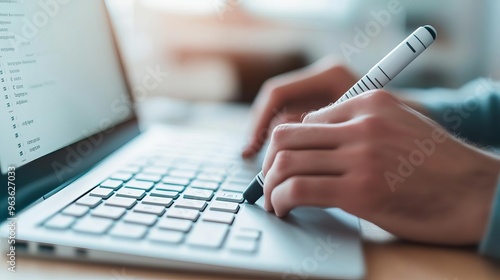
(140, 218)
(93, 225)
(175, 224)
(142, 161)
(186, 214)
(126, 230)
(218, 217)
(191, 204)
(134, 169)
(141, 185)
(200, 184)
(76, 210)
(188, 165)
(167, 236)
(180, 173)
(234, 187)
(210, 235)
(215, 170)
(161, 193)
(211, 177)
(242, 245)
(176, 181)
(90, 201)
(230, 197)
(60, 222)
(198, 194)
(101, 192)
(131, 193)
(241, 180)
(121, 202)
(247, 233)
(168, 187)
(161, 163)
(162, 201)
(149, 209)
(110, 212)
(224, 206)
(111, 184)
(148, 177)
(244, 174)
(123, 176)
(158, 170)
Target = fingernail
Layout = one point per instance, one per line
(280, 214)
(246, 149)
(267, 207)
(247, 154)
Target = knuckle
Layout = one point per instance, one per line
(276, 92)
(379, 97)
(371, 125)
(273, 86)
(282, 160)
(280, 132)
(334, 67)
(309, 117)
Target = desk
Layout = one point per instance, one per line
(386, 259)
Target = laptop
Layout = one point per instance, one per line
(82, 182)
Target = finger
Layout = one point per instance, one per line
(317, 191)
(284, 118)
(365, 103)
(290, 163)
(271, 99)
(305, 137)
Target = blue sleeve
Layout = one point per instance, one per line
(473, 115)
(490, 245)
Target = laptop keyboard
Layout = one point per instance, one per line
(176, 196)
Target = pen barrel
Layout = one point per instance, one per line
(401, 56)
(392, 64)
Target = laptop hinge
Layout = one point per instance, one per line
(56, 190)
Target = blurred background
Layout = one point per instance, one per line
(223, 50)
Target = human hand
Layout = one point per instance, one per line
(285, 98)
(382, 161)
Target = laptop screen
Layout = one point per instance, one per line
(60, 79)
(64, 99)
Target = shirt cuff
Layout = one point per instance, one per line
(490, 245)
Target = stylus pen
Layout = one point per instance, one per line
(379, 76)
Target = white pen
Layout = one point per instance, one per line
(378, 77)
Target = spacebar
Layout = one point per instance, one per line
(209, 235)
